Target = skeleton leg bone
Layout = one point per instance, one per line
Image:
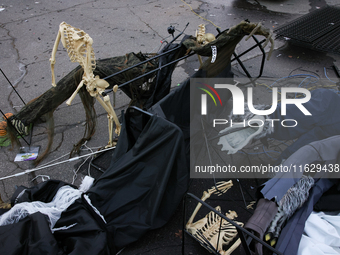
(69, 101)
(112, 117)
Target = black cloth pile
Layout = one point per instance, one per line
(140, 191)
(147, 177)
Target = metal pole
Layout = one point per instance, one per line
(12, 86)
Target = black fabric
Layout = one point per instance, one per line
(43, 192)
(176, 108)
(140, 190)
(86, 237)
(164, 75)
(146, 181)
(29, 236)
(329, 201)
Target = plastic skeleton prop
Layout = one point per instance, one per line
(210, 230)
(203, 39)
(79, 48)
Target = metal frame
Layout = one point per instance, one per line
(8, 122)
(245, 236)
(236, 57)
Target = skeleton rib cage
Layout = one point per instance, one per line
(85, 56)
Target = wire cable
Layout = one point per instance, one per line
(43, 167)
(327, 76)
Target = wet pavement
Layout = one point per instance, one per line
(28, 31)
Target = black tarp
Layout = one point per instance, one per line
(146, 180)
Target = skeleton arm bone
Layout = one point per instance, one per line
(52, 59)
(205, 196)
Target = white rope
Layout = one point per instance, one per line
(76, 171)
(88, 170)
(65, 161)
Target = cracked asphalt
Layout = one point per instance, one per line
(28, 30)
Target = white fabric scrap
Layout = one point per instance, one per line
(94, 208)
(321, 235)
(63, 228)
(65, 196)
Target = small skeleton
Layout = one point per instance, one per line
(210, 230)
(202, 37)
(234, 35)
(79, 48)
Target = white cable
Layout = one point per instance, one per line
(43, 167)
(55, 159)
(69, 154)
(76, 171)
(88, 168)
(42, 177)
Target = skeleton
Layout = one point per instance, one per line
(213, 229)
(79, 48)
(228, 40)
(237, 136)
(202, 37)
